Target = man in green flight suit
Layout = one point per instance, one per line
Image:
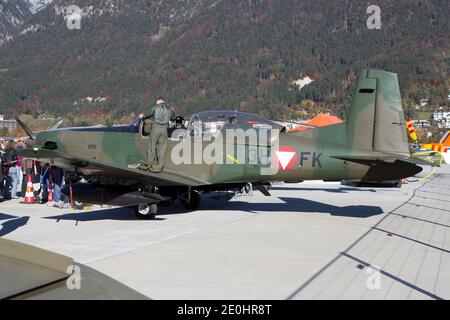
(160, 116)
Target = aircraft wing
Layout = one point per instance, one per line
(115, 172)
(32, 273)
(28, 268)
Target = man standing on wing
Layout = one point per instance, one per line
(160, 116)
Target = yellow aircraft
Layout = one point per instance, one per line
(434, 152)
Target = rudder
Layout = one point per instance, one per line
(376, 120)
(445, 140)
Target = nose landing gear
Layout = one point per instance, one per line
(148, 211)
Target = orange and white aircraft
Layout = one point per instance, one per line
(443, 147)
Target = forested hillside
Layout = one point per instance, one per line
(209, 54)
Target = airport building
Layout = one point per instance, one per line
(443, 119)
(11, 125)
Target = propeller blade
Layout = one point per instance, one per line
(56, 126)
(29, 132)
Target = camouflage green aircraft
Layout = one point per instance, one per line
(371, 146)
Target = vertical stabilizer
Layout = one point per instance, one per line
(445, 140)
(376, 121)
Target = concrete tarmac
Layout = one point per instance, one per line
(312, 240)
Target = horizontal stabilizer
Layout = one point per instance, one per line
(387, 167)
(367, 160)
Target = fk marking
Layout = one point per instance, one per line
(311, 156)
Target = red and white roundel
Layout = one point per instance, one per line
(286, 158)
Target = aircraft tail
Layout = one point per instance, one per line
(376, 121)
(411, 130)
(445, 141)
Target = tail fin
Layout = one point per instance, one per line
(411, 130)
(445, 141)
(376, 121)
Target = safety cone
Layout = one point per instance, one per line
(29, 194)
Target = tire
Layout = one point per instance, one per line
(79, 205)
(146, 211)
(247, 188)
(194, 202)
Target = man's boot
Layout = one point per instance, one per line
(144, 166)
(156, 168)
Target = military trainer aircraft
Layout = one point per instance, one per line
(372, 145)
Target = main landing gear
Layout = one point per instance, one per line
(190, 200)
(146, 211)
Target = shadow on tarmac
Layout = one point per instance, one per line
(289, 205)
(413, 238)
(11, 225)
(332, 190)
(297, 205)
(119, 214)
(4, 216)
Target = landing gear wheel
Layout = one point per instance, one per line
(190, 201)
(246, 189)
(146, 211)
(79, 205)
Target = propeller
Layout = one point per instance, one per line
(56, 126)
(25, 128)
(30, 132)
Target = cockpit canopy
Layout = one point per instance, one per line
(213, 122)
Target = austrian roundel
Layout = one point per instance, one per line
(286, 158)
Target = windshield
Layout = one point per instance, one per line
(210, 123)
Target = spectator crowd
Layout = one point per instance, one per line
(16, 171)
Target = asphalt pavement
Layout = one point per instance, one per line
(312, 240)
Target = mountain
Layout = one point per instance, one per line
(280, 58)
(37, 5)
(13, 15)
